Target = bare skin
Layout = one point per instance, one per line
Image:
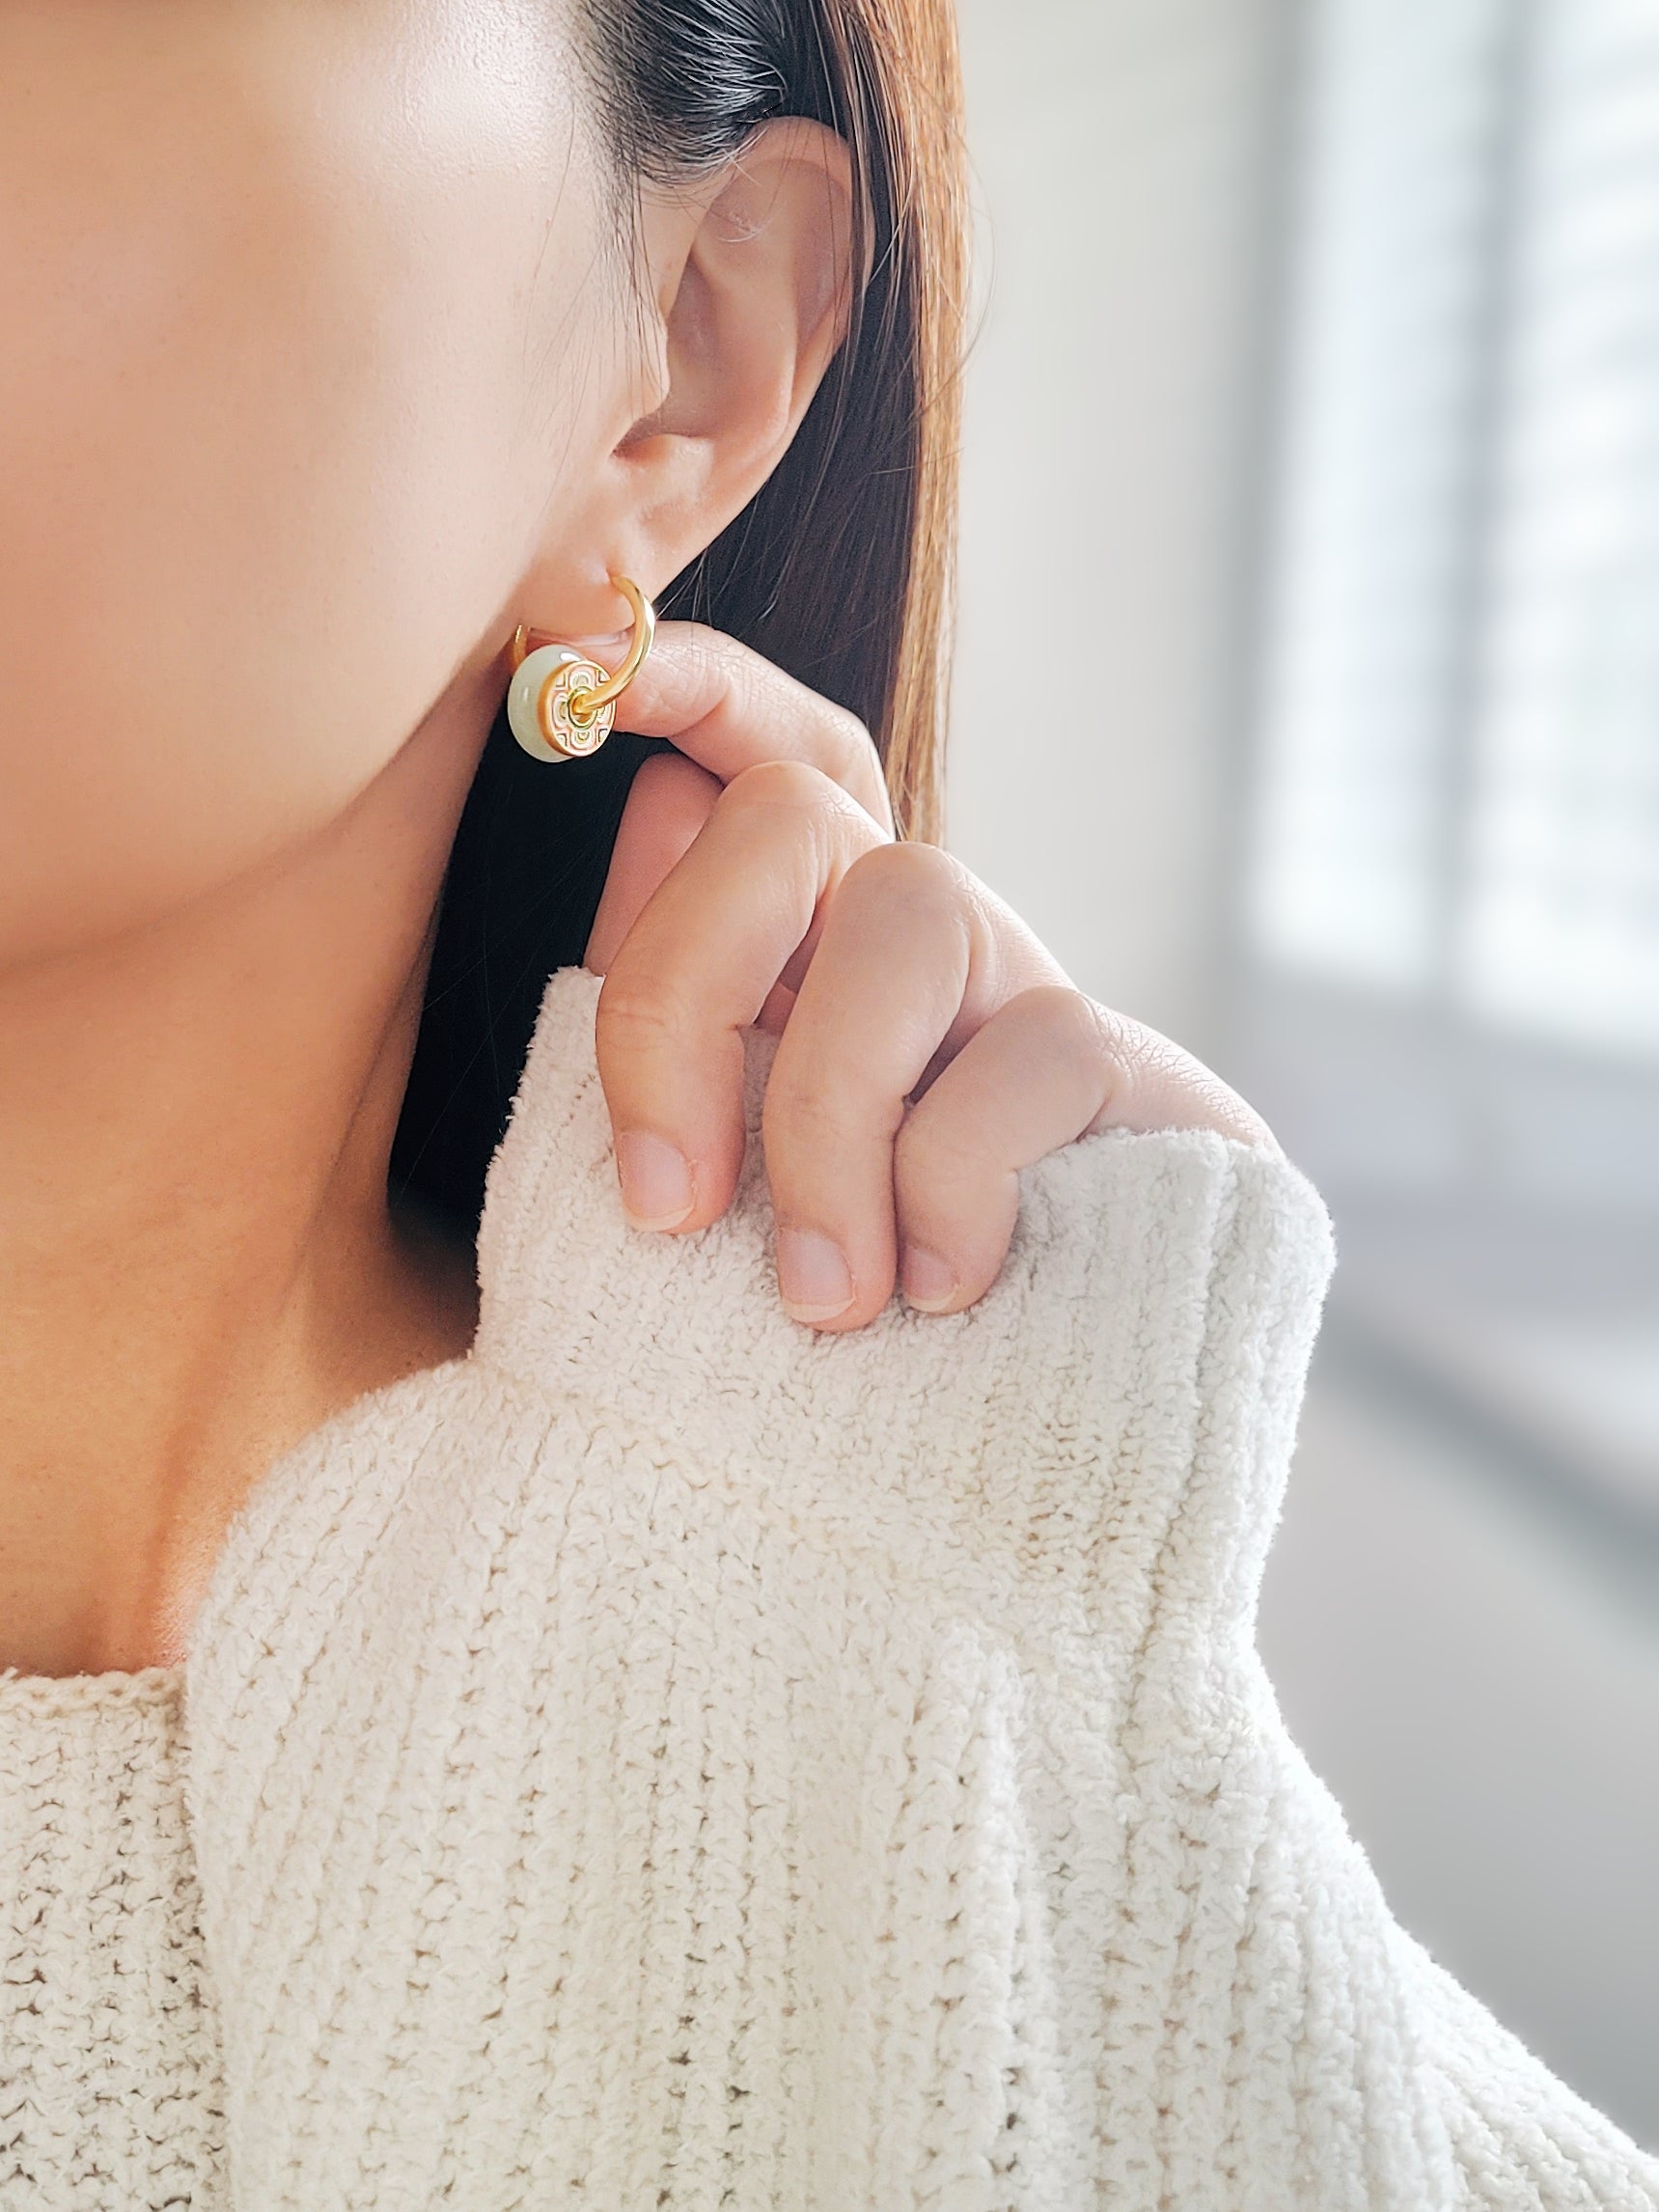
(207, 1105)
(323, 366)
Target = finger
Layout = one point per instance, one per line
(728, 709)
(668, 803)
(913, 953)
(1048, 1067)
(697, 969)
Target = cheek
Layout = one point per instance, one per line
(273, 422)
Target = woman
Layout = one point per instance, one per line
(511, 1700)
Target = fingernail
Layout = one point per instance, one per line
(655, 1180)
(812, 1276)
(929, 1282)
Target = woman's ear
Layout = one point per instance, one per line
(751, 283)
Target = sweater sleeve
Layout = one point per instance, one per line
(1086, 1469)
(1107, 1430)
(670, 1758)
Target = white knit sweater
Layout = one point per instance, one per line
(667, 1760)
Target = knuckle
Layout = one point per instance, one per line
(853, 735)
(909, 877)
(794, 785)
(639, 1015)
(1139, 1069)
(855, 759)
(796, 1116)
(942, 1155)
(802, 1110)
(1081, 1025)
(1119, 1044)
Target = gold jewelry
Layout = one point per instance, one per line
(559, 704)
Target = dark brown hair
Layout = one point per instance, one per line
(840, 570)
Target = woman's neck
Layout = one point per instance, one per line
(197, 1264)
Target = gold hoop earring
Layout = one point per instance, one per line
(559, 704)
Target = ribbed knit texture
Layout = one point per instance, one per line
(110, 2090)
(669, 1759)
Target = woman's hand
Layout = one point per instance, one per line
(931, 1047)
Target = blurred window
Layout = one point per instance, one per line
(1449, 1003)
(1459, 795)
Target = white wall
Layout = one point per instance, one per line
(1124, 151)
